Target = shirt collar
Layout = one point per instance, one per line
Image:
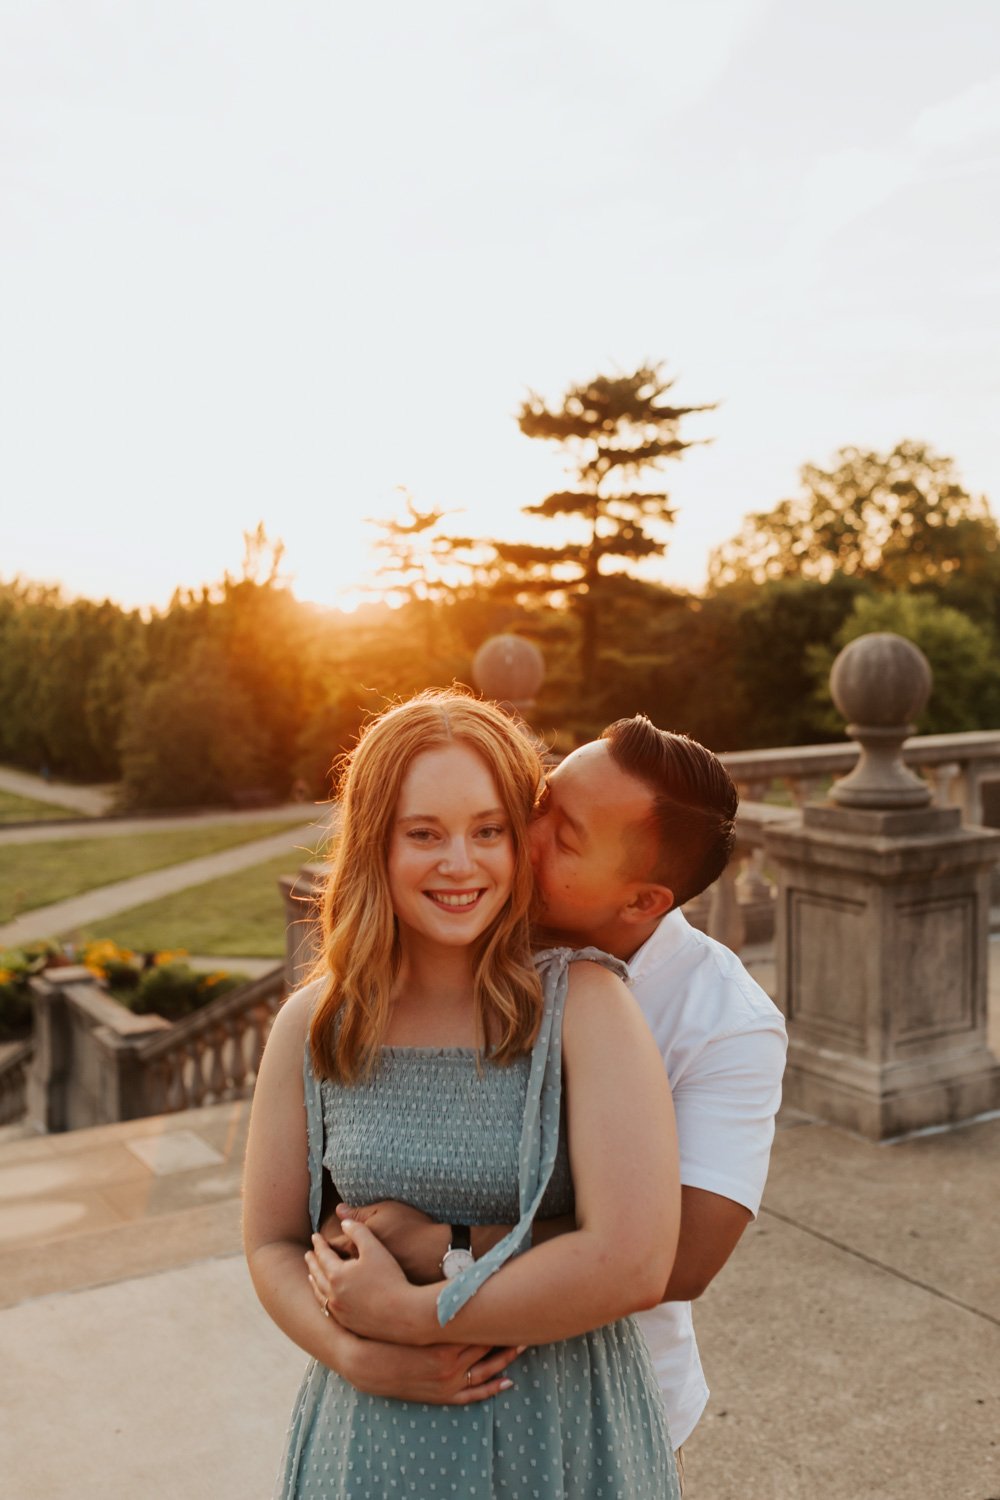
(671, 933)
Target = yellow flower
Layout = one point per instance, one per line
(6, 975)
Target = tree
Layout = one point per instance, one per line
(900, 520)
(191, 738)
(616, 431)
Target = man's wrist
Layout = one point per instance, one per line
(485, 1236)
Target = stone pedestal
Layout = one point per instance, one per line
(881, 947)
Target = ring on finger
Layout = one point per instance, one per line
(326, 1308)
(468, 1376)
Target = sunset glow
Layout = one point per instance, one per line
(270, 264)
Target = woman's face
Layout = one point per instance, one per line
(451, 854)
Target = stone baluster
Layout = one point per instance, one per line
(218, 1078)
(725, 919)
(941, 778)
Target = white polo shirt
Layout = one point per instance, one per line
(723, 1042)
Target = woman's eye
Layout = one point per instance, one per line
(493, 831)
(421, 835)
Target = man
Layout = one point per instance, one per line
(629, 828)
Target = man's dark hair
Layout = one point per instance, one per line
(694, 802)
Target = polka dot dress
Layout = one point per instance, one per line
(584, 1419)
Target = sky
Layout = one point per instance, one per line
(265, 262)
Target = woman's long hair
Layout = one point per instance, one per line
(360, 953)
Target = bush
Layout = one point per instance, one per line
(175, 990)
(17, 965)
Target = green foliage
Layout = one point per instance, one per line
(17, 967)
(65, 667)
(191, 739)
(175, 990)
(965, 693)
(899, 520)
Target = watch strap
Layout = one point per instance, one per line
(461, 1237)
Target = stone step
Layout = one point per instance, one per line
(118, 1201)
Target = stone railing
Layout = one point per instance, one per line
(96, 1063)
(15, 1059)
(213, 1055)
(963, 771)
(739, 908)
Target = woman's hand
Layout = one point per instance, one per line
(411, 1237)
(368, 1294)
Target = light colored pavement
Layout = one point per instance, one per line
(852, 1344)
(92, 801)
(92, 906)
(114, 828)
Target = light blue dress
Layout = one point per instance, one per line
(584, 1419)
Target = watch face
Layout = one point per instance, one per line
(456, 1261)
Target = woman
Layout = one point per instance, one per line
(434, 1054)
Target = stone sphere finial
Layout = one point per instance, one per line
(509, 669)
(880, 684)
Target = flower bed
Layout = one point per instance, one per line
(146, 983)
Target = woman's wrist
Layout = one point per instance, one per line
(417, 1316)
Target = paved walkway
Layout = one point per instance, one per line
(114, 828)
(92, 801)
(852, 1344)
(122, 895)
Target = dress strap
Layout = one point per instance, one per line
(314, 1135)
(540, 1129)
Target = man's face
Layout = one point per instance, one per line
(584, 868)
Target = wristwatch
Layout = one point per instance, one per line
(458, 1257)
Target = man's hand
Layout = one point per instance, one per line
(413, 1239)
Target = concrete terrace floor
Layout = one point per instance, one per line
(852, 1343)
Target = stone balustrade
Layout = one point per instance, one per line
(213, 1055)
(962, 769)
(15, 1060)
(96, 1063)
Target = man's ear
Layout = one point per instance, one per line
(649, 903)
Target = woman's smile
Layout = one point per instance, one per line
(455, 900)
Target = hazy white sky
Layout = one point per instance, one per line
(268, 261)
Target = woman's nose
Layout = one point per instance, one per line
(457, 857)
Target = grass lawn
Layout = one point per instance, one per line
(15, 809)
(237, 915)
(33, 875)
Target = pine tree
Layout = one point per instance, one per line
(616, 431)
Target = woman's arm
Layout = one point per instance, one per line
(276, 1235)
(623, 1152)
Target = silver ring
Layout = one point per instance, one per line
(468, 1376)
(326, 1308)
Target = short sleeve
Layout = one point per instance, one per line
(725, 1104)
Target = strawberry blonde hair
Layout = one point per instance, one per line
(360, 953)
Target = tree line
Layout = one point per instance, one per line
(238, 692)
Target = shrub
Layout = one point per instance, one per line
(175, 990)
